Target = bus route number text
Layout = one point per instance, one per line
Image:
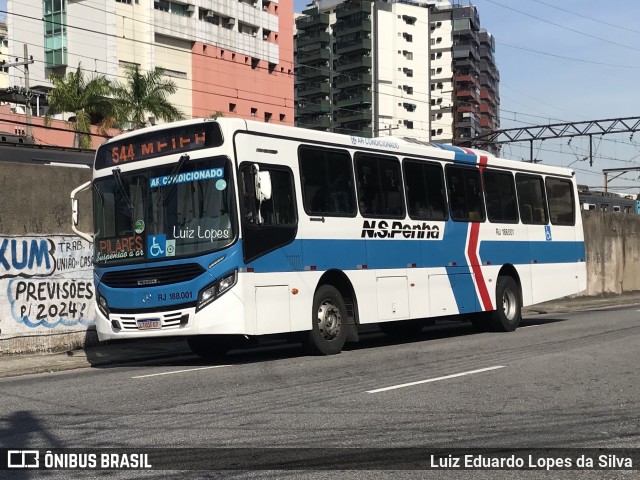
(505, 232)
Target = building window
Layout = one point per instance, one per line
(267, 117)
(282, 117)
(254, 112)
(55, 33)
(232, 107)
(255, 62)
(408, 37)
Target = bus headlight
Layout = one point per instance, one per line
(102, 305)
(216, 289)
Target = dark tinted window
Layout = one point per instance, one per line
(379, 186)
(424, 186)
(465, 194)
(500, 195)
(561, 201)
(531, 199)
(327, 182)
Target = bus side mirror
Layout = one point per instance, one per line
(263, 184)
(75, 212)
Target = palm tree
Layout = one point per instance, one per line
(144, 94)
(87, 98)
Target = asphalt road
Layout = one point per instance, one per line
(560, 381)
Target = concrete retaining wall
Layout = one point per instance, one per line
(46, 280)
(46, 284)
(612, 242)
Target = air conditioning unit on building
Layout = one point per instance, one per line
(231, 22)
(210, 14)
(191, 8)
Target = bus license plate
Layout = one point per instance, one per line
(148, 323)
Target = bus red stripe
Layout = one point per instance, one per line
(472, 250)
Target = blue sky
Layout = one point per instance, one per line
(573, 60)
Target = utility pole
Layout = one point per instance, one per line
(28, 95)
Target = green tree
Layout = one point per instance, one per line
(87, 98)
(143, 95)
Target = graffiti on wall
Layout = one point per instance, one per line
(46, 285)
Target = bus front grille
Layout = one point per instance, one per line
(152, 277)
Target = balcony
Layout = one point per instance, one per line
(322, 38)
(352, 63)
(353, 46)
(314, 88)
(313, 56)
(305, 73)
(465, 79)
(312, 20)
(346, 116)
(346, 81)
(468, 94)
(352, 99)
(345, 10)
(309, 107)
(317, 122)
(346, 28)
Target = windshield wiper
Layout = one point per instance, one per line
(172, 177)
(118, 179)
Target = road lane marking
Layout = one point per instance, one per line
(530, 326)
(181, 371)
(455, 375)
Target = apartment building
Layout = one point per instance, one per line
(403, 68)
(464, 89)
(363, 69)
(229, 57)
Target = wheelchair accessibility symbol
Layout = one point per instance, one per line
(547, 232)
(157, 245)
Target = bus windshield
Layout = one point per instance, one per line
(166, 212)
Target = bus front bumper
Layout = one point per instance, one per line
(224, 316)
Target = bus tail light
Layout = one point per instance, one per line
(216, 289)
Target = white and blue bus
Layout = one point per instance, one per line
(225, 229)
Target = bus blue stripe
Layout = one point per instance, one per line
(388, 254)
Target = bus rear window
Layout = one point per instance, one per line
(561, 201)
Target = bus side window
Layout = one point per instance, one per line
(465, 194)
(500, 193)
(327, 182)
(424, 188)
(379, 187)
(532, 199)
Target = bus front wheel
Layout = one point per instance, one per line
(508, 313)
(329, 322)
(209, 347)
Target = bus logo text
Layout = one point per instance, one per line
(381, 229)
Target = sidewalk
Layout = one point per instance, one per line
(135, 351)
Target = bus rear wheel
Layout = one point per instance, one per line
(508, 313)
(209, 347)
(329, 322)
